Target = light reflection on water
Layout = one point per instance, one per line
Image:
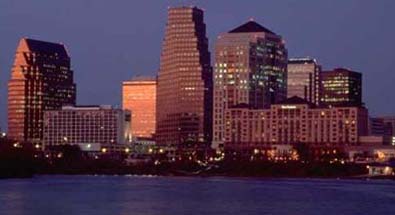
(122, 195)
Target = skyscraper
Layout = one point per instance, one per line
(41, 79)
(341, 87)
(184, 90)
(304, 79)
(250, 69)
(139, 96)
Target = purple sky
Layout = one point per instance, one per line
(112, 41)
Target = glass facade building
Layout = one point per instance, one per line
(341, 87)
(304, 79)
(184, 90)
(41, 79)
(139, 97)
(250, 69)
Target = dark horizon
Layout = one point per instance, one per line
(117, 42)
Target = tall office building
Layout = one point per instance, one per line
(41, 79)
(250, 69)
(341, 87)
(304, 79)
(184, 91)
(139, 97)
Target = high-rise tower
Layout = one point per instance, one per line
(41, 79)
(250, 70)
(184, 90)
(304, 79)
(341, 87)
(139, 96)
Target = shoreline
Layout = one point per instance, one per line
(229, 176)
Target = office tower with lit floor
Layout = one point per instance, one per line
(139, 97)
(184, 90)
(41, 79)
(341, 87)
(304, 79)
(250, 69)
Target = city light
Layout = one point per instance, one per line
(253, 103)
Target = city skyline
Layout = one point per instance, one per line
(84, 66)
(197, 107)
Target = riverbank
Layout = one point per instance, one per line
(223, 169)
(18, 162)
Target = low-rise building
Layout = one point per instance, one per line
(381, 170)
(291, 122)
(383, 126)
(371, 149)
(92, 128)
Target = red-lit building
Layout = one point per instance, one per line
(41, 79)
(139, 97)
(184, 90)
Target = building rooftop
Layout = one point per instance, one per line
(87, 107)
(294, 100)
(143, 78)
(249, 27)
(241, 105)
(46, 47)
(302, 60)
(341, 70)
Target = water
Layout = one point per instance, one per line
(137, 195)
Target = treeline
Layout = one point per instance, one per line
(16, 161)
(22, 160)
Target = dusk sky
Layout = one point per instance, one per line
(112, 41)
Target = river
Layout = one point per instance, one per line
(143, 195)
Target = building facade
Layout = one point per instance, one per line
(41, 79)
(250, 68)
(341, 87)
(304, 79)
(139, 97)
(377, 127)
(90, 127)
(383, 126)
(184, 90)
(294, 121)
